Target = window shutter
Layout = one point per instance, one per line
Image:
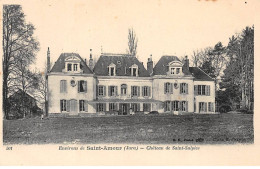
(78, 86)
(149, 91)
(187, 88)
(105, 106)
(79, 105)
(86, 105)
(164, 105)
(116, 90)
(97, 91)
(187, 106)
(68, 105)
(181, 86)
(149, 107)
(205, 106)
(142, 90)
(196, 90)
(171, 89)
(138, 91)
(138, 106)
(86, 87)
(209, 108)
(104, 91)
(60, 105)
(61, 86)
(109, 88)
(132, 90)
(208, 90)
(178, 106)
(164, 88)
(65, 86)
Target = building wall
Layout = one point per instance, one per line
(129, 81)
(158, 92)
(210, 98)
(72, 92)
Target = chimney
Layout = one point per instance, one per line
(91, 62)
(48, 60)
(186, 63)
(150, 65)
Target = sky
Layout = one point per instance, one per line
(163, 27)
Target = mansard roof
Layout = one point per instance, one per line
(60, 63)
(200, 75)
(161, 68)
(123, 63)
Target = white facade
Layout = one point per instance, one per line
(74, 89)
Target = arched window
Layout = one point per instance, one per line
(123, 89)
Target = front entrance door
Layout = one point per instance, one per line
(123, 108)
(73, 106)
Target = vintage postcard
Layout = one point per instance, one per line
(116, 82)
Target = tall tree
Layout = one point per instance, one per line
(17, 40)
(238, 79)
(132, 42)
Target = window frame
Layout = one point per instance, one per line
(64, 105)
(123, 89)
(103, 91)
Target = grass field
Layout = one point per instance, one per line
(149, 129)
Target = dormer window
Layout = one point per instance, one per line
(112, 69)
(172, 71)
(75, 67)
(178, 71)
(69, 67)
(174, 68)
(134, 70)
(72, 64)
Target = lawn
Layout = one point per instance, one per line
(148, 129)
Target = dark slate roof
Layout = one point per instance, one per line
(199, 74)
(121, 62)
(60, 63)
(161, 67)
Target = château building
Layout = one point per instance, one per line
(119, 84)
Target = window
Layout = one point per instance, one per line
(146, 91)
(211, 107)
(202, 106)
(184, 88)
(69, 67)
(112, 73)
(83, 105)
(112, 90)
(101, 90)
(168, 88)
(134, 72)
(135, 91)
(147, 107)
(202, 90)
(63, 105)
(63, 86)
(82, 86)
(101, 107)
(175, 106)
(73, 105)
(123, 89)
(75, 67)
(172, 71)
(112, 106)
(167, 106)
(112, 69)
(135, 107)
(177, 70)
(184, 106)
